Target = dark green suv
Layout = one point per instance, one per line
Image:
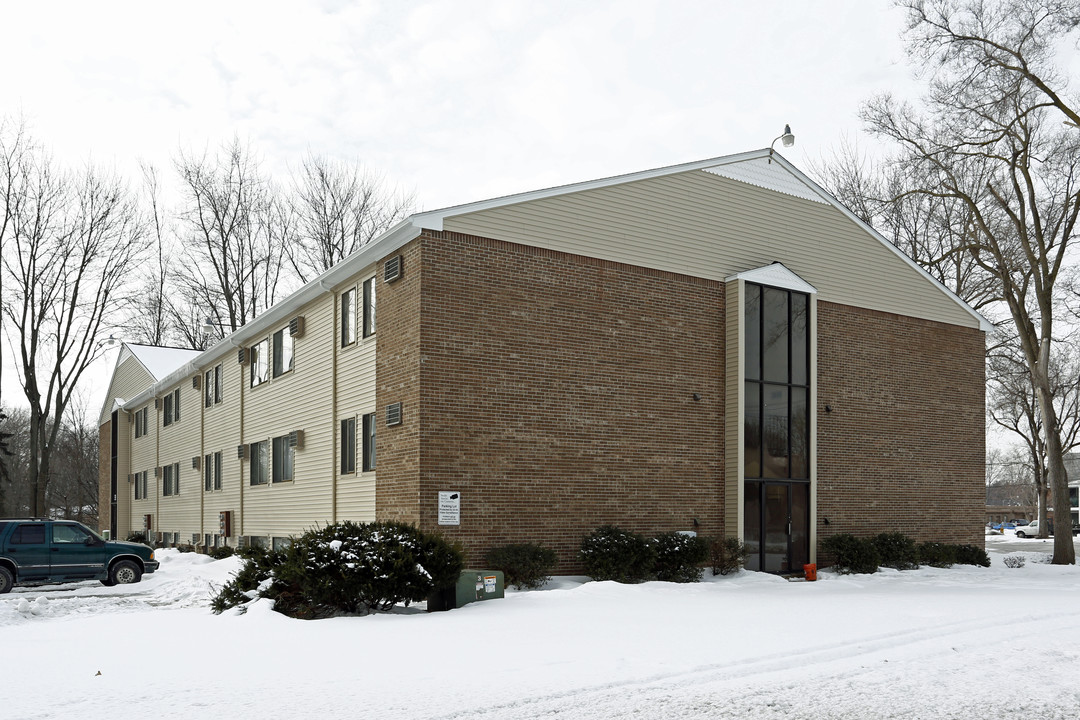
(35, 551)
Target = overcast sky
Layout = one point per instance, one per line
(459, 101)
(456, 101)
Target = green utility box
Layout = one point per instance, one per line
(472, 586)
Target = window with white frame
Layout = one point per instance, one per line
(141, 482)
(171, 408)
(259, 461)
(141, 418)
(348, 317)
(212, 386)
(283, 351)
(284, 455)
(260, 362)
(212, 472)
(170, 480)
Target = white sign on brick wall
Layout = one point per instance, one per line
(449, 508)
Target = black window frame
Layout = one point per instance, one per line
(368, 442)
(348, 446)
(282, 461)
(368, 294)
(759, 383)
(259, 463)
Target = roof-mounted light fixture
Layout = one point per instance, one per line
(787, 138)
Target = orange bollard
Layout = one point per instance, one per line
(810, 571)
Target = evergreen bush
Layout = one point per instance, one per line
(935, 554)
(897, 551)
(257, 569)
(138, 537)
(611, 553)
(221, 552)
(524, 565)
(346, 568)
(851, 554)
(728, 555)
(972, 555)
(678, 557)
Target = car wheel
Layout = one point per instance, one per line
(124, 572)
(7, 580)
(1020, 534)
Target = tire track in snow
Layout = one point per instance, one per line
(681, 694)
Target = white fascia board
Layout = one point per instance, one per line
(984, 324)
(433, 219)
(385, 244)
(775, 275)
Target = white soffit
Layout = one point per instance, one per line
(768, 175)
(775, 275)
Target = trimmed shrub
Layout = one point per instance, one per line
(524, 565)
(611, 553)
(678, 557)
(186, 548)
(221, 552)
(935, 554)
(728, 555)
(897, 551)
(346, 568)
(851, 554)
(138, 537)
(972, 555)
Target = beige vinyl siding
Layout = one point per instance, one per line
(221, 433)
(355, 398)
(144, 456)
(179, 442)
(700, 224)
(128, 380)
(733, 424)
(301, 399)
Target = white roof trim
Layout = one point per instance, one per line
(764, 173)
(775, 275)
(433, 219)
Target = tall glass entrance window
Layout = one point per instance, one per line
(776, 445)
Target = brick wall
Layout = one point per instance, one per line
(903, 448)
(558, 395)
(397, 367)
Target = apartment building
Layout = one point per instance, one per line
(718, 346)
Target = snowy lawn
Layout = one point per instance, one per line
(960, 643)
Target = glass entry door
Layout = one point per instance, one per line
(777, 525)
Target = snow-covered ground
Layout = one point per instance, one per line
(960, 643)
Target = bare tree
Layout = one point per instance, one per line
(71, 242)
(989, 136)
(151, 317)
(337, 208)
(234, 253)
(929, 229)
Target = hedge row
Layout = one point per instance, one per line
(895, 550)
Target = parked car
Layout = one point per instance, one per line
(1032, 529)
(36, 551)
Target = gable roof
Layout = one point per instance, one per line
(158, 361)
(761, 168)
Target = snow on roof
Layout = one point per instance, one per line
(161, 361)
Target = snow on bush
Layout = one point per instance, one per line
(347, 568)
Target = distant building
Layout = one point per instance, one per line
(718, 346)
